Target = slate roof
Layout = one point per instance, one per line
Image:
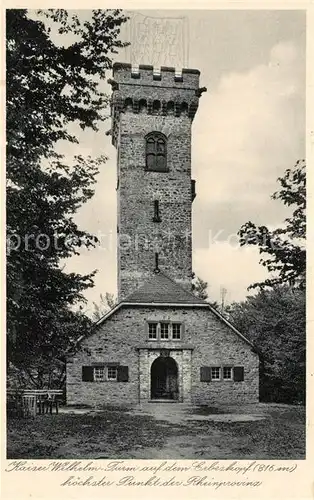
(159, 288)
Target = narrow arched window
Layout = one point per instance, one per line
(156, 152)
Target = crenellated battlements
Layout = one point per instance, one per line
(167, 76)
(145, 89)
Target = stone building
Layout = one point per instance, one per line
(160, 342)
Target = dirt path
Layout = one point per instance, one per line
(199, 439)
(182, 414)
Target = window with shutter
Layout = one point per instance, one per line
(215, 372)
(238, 373)
(227, 373)
(205, 374)
(87, 373)
(112, 372)
(123, 374)
(99, 373)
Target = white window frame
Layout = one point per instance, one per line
(97, 371)
(168, 330)
(157, 328)
(176, 324)
(231, 373)
(212, 371)
(112, 379)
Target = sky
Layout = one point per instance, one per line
(249, 128)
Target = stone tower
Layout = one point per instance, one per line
(152, 115)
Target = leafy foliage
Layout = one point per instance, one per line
(106, 302)
(49, 88)
(274, 320)
(284, 247)
(199, 288)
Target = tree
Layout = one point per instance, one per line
(49, 88)
(106, 302)
(284, 247)
(199, 288)
(274, 320)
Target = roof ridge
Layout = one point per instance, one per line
(181, 287)
(167, 285)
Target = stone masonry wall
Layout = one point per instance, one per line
(139, 238)
(207, 342)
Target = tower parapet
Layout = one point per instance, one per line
(146, 90)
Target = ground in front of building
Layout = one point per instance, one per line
(162, 431)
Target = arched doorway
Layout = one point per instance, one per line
(164, 378)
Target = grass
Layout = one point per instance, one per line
(107, 434)
(281, 435)
(115, 433)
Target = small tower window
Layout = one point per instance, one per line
(156, 270)
(156, 217)
(156, 107)
(156, 152)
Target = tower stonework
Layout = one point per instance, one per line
(152, 115)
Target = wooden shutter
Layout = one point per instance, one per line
(87, 374)
(205, 374)
(123, 373)
(238, 373)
